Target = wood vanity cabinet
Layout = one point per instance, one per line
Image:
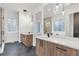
(27, 40)
(61, 50)
(49, 50)
(40, 50)
(45, 48)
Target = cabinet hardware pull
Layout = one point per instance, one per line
(61, 49)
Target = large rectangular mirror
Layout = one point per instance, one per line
(48, 13)
(48, 25)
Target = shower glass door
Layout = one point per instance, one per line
(0, 26)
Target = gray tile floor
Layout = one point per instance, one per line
(18, 49)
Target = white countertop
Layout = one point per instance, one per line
(27, 33)
(63, 40)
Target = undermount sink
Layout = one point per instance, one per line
(57, 36)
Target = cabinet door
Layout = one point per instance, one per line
(47, 48)
(52, 49)
(40, 51)
(29, 39)
(42, 48)
(37, 46)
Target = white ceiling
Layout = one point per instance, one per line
(50, 9)
(30, 7)
(20, 6)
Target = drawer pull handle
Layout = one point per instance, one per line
(61, 49)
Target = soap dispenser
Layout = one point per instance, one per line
(48, 34)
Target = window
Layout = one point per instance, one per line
(11, 24)
(59, 25)
(38, 27)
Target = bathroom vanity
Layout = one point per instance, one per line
(57, 46)
(27, 39)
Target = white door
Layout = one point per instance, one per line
(11, 26)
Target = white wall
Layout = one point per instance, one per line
(25, 23)
(37, 18)
(41, 20)
(68, 19)
(10, 37)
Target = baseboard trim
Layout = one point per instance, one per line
(11, 42)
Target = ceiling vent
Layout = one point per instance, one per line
(24, 10)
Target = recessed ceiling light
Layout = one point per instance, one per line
(63, 13)
(57, 6)
(49, 9)
(67, 4)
